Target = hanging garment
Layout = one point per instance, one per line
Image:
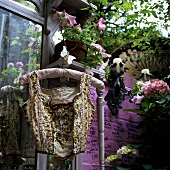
(27, 143)
(10, 132)
(17, 140)
(60, 127)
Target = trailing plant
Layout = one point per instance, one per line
(89, 34)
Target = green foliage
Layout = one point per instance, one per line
(148, 167)
(121, 168)
(10, 71)
(87, 33)
(27, 3)
(16, 41)
(128, 21)
(157, 114)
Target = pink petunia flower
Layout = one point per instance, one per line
(103, 66)
(72, 19)
(79, 27)
(137, 99)
(98, 46)
(65, 23)
(105, 55)
(57, 14)
(101, 25)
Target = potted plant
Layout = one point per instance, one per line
(153, 98)
(86, 37)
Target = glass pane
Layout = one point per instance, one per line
(20, 47)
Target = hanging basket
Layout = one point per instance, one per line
(75, 48)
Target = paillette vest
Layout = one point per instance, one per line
(60, 126)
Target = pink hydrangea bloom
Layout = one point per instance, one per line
(101, 25)
(10, 64)
(156, 87)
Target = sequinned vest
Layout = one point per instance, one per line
(59, 127)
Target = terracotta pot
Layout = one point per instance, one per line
(75, 48)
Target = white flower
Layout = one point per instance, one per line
(70, 59)
(64, 52)
(66, 56)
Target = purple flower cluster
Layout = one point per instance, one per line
(18, 64)
(10, 64)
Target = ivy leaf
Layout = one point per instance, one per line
(134, 110)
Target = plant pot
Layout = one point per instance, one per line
(75, 48)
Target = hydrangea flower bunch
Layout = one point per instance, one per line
(150, 89)
(89, 33)
(153, 98)
(155, 87)
(124, 150)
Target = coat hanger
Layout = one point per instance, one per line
(59, 72)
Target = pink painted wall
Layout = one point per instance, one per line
(119, 130)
